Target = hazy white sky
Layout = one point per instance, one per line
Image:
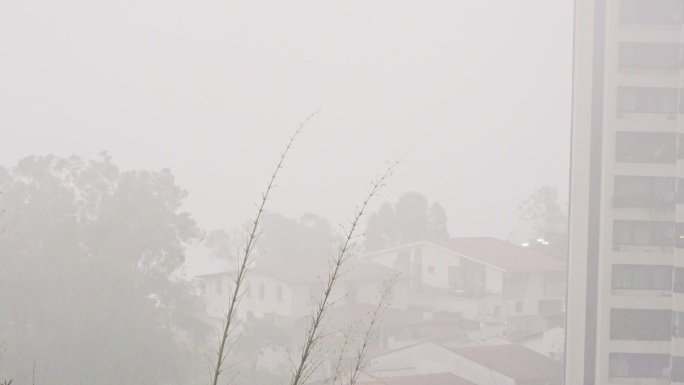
(476, 93)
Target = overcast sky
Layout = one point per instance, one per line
(477, 94)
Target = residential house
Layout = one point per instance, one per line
(484, 279)
(289, 292)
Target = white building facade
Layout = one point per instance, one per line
(625, 296)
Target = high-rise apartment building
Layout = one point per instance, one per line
(626, 266)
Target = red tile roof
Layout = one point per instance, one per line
(514, 361)
(501, 254)
(421, 379)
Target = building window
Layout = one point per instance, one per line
(640, 324)
(262, 290)
(279, 293)
(677, 373)
(643, 233)
(550, 306)
(678, 280)
(639, 365)
(677, 324)
(518, 306)
(648, 56)
(647, 100)
(642, 277)
(644, 191)
(655, 12)
(646, 147)
(248, 290)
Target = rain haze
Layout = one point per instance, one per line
(139, 141)
(475, 95)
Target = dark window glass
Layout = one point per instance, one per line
(677, 374)
(680, 191)
(642, 277)
(645, 147)
(648, 100)
(643, 233)
(640, 324)
(657, 12)
(677, 324)
(678, 280)
(639, 365)
(648, 56)
(644, 191)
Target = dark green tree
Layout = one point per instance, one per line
(88, 265)
(411, 219)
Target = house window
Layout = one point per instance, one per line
(550, 306)
(248, 290)
(640, 324)
(655, 12)
(641, 277)
(646, 147)
(431, 269)
(643, 233)
(279, 293)
(262, 290)
(648, 56)
(518, 306)
(644, 191)
(647, 100)
(639, 365)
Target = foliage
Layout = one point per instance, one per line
(411, 219)
(549, 219)
(244, 261)
(300, 242)
(87, 263)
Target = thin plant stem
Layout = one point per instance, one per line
(307, 362)
(245, 260)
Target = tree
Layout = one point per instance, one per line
(87, 262)
(548, 216)
(409, 220)
(289, 241)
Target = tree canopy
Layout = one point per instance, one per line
(549, 219)
(88, 285)
(286, 241)
(410, 219)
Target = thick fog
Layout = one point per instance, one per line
(157, 228)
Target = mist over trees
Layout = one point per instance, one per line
(548, 216)
(89, 292)
(410, 219)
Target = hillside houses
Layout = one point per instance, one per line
(462, 311)
(483, 279)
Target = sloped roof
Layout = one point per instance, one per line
(501, 254)
(423, 379)
(514, 361)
